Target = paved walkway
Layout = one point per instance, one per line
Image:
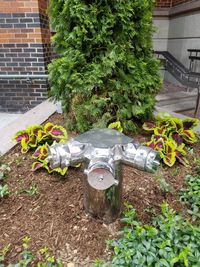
(7, 118)
(12, 123)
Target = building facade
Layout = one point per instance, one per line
(178, 29)
(25, 45)
(24, 49)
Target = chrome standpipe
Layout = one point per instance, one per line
(103, 151)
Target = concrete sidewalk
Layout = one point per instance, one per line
(13, 123)
(7, 118)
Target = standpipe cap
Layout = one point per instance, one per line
(101, 176)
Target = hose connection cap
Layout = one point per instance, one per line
(101, 176)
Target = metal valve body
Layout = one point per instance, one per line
(103, 151)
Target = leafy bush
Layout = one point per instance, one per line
(36, 135)
(27, 258)
(170, 242)
(191, 195)
(106, 70)
(169, 137)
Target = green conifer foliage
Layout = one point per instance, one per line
(106, 70)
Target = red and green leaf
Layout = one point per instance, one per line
(58, 132)
(149, 126)
(160, 130)
(190, 123)
(176, 137)
(21, 135)
(48, 127)
(170, 155)
(180, 155)
(41, 152)
(59, 170)
(189, 136)
(178, 124)
(36, 165)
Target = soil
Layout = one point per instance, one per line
(55, 217)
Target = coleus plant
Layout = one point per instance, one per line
(36, 135)
(116, 126)
(41, 157)
(169, 137)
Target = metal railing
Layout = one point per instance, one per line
(182, 74)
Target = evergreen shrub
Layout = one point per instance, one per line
(106, 70)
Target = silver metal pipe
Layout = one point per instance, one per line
(103, 151)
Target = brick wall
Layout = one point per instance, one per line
(178, 2)
(170, 3)
(24, 48)
(163, 3)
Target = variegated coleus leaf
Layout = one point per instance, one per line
(156, 142)
(190, 123)
(59, 170)
(169, 154)
(176, 137)
(149, 126)
(178, 124)
(35, 132)
(189, 136)
(24, 145)
(116, 126)
(21, 135)
(160, 130)
(58, 133)
(48, 127)
(36, 165)
(41, 152)
(181, 155)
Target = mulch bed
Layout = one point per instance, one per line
(56, 218)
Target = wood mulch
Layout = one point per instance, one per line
(55, 217)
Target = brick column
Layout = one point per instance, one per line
(24, 48)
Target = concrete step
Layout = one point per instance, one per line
(179, 106)
(175, 98)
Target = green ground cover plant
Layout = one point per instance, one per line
(169, 136)
(170, 241)
(191, 195)
(4, 169)
(27, 257)
(106, 70)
